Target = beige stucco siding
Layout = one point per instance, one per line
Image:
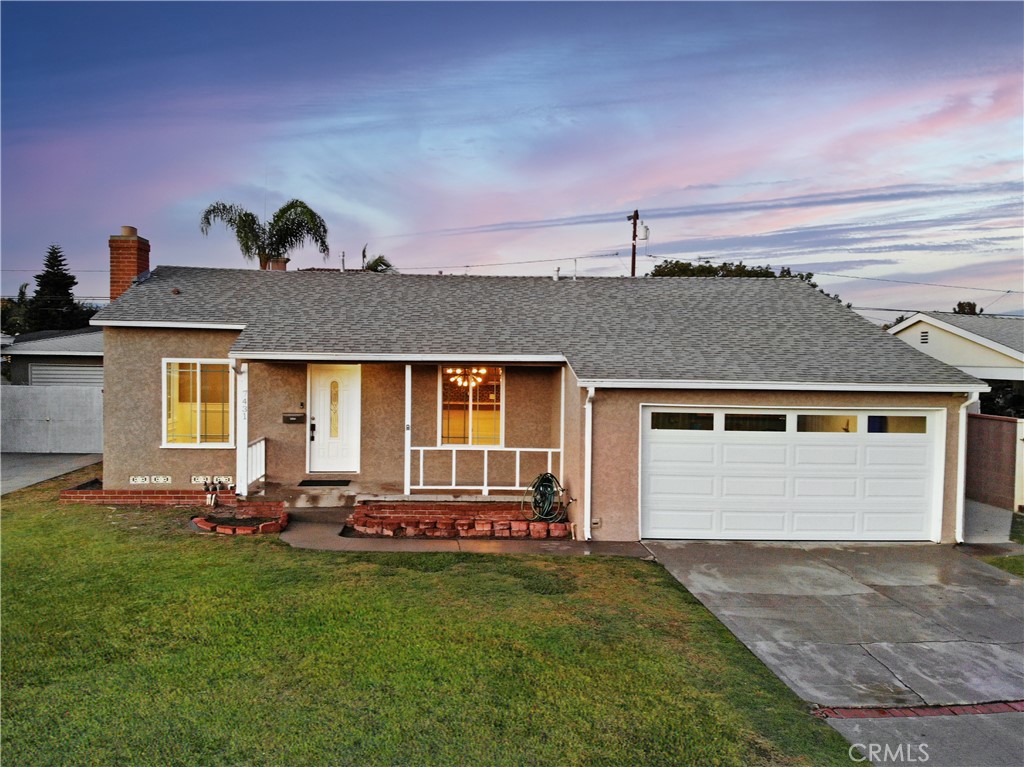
(617, 443)
(133, 408)
(573, 473)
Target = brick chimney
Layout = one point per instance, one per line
(278, 264)
(129, 257)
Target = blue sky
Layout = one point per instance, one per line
(855, 140)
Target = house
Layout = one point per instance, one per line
(733, 408)
(986, 347)
(57, 357)
(991, 348)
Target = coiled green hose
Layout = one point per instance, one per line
(547, 499)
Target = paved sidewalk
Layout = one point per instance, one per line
(303, 534)
(20, 470)
(986, 524)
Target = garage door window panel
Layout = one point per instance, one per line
(755, 422)
(897, 424)
(683, 421)
(830, 424)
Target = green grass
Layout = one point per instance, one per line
(1013, 563)
(129, 640)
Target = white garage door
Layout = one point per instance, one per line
(770, 474)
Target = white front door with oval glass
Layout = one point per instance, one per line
(333, 429)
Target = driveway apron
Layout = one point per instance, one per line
(865, 625)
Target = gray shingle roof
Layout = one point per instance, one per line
(1008, 331)
(83, 341)
(669, 328)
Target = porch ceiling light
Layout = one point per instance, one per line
(466, 376)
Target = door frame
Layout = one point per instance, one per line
(358, 370)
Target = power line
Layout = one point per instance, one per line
(913, 282)
(512, 263)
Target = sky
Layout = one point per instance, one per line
(878, 145)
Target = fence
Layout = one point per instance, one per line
(995, 460)
(51, 419)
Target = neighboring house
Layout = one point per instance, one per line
(716, 408)
(986, 347)
(991, 348)
(57, 357)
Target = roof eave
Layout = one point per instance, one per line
(660, 383)
(391, 357)
(166, 324)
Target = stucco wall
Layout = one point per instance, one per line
(572, 478)
(133, 411)
(617, 443)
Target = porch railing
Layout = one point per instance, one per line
(256, 462)
(485, 487)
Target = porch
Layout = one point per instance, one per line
(407, 430)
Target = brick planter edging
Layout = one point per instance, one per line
(1004, 707)
(442, 525)
(153, 497)
(264, 527)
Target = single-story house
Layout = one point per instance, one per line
(985, 346)
(714, 408)
(57, 357)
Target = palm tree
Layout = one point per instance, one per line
(379, 264)
(292, 226)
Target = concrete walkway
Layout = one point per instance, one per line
(20, 470)
(986, 524)
(324, 535)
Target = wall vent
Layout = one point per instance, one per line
(924, 336)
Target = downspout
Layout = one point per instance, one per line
(588, 459)
(961, 467)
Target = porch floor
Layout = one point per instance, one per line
(295, 497)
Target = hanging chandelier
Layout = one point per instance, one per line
(468, 377)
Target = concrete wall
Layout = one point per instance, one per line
(51, 419)
(617, 443)
(995, 460)
(133, 412)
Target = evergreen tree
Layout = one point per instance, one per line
(53, 306)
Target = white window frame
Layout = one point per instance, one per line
(469, 413)
(199, 362)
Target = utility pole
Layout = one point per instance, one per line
(632, 264)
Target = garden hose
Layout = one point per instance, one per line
(546, 498)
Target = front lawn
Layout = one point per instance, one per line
(129, 640)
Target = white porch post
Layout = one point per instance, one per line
(561, 432)
(408, 430)
(242, 430)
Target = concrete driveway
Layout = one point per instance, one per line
(872, 625)
(18, 470)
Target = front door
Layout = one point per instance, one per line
(333, 429)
